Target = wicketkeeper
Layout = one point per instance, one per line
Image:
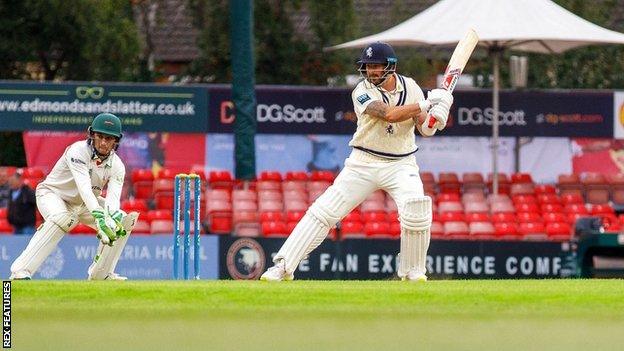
(71, 194)
(388, 107)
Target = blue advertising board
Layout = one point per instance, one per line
(72, 106)
(247, 258)
(144, 257)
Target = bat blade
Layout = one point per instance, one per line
(456, 64)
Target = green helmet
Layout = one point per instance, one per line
(106, 123)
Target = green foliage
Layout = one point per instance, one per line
(282, 56)
(212, 19)
(69, 39)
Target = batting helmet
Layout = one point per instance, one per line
(378, 53)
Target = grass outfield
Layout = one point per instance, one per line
(319, 315)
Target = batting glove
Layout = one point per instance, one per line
(436, 96)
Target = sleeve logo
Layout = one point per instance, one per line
(75, 160)
(363, 98)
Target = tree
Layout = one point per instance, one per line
(68, 39)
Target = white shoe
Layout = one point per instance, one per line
(115, 276)
(21, 275)
(414, 276)
(277, 273)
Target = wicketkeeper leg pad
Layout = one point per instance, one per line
(42, 243)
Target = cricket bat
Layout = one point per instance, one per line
(456, 65)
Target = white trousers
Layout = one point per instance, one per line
(362, 175)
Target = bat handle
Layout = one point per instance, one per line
(432, 121)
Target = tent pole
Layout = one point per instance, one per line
(496, 55)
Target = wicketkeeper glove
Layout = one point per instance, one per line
(118, 216)
(106, 227)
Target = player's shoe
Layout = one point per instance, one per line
(277, 273)
(21, 275)
(414, 276)
(115, 276)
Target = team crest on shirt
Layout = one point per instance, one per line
(390, 129)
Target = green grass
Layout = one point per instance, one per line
(319, 315)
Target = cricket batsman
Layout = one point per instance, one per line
(71, 194)
(388, 107)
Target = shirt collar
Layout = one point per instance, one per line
(398, 85)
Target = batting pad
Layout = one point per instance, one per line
(42, 244)
(106, 260)
(415, 235)
(313, 228)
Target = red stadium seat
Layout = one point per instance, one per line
(271, 216)
(270, 176)
(295, 205)
(473, 183)
(352, 230)
(506, 230)
(503, 183)
(532, 229)
(158, 214)
(559, 230)
(33, 172)
(524, 217)
(141, 175)
(220, 180)
(617, 188)
(268, 185)
(141, 227)
(481, 230)
(294, 216)
(553, 217)
(137, 205)
(160, 226)
(166, 173)
(596, 188)
(445, 217)
(296, 176)
(523, 199)
(575, 208)
(548, 208)
(480, 206)
(572, 199)
(548, 199)
(3, 213)
(456, 229)
(545, 189)
(504, 217)
(377, 230)
(274, 229)
(527, 207)
(437, 229)
(294, 186)
(353, 216)
(569, 184)
(477, 217)
(82, 229)
(521, 189)
(375, 216)
(448, 182)
(325, 176)
(447, 197)
(395, 229)
(448, 206)
(600, 209)
(519, 178)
